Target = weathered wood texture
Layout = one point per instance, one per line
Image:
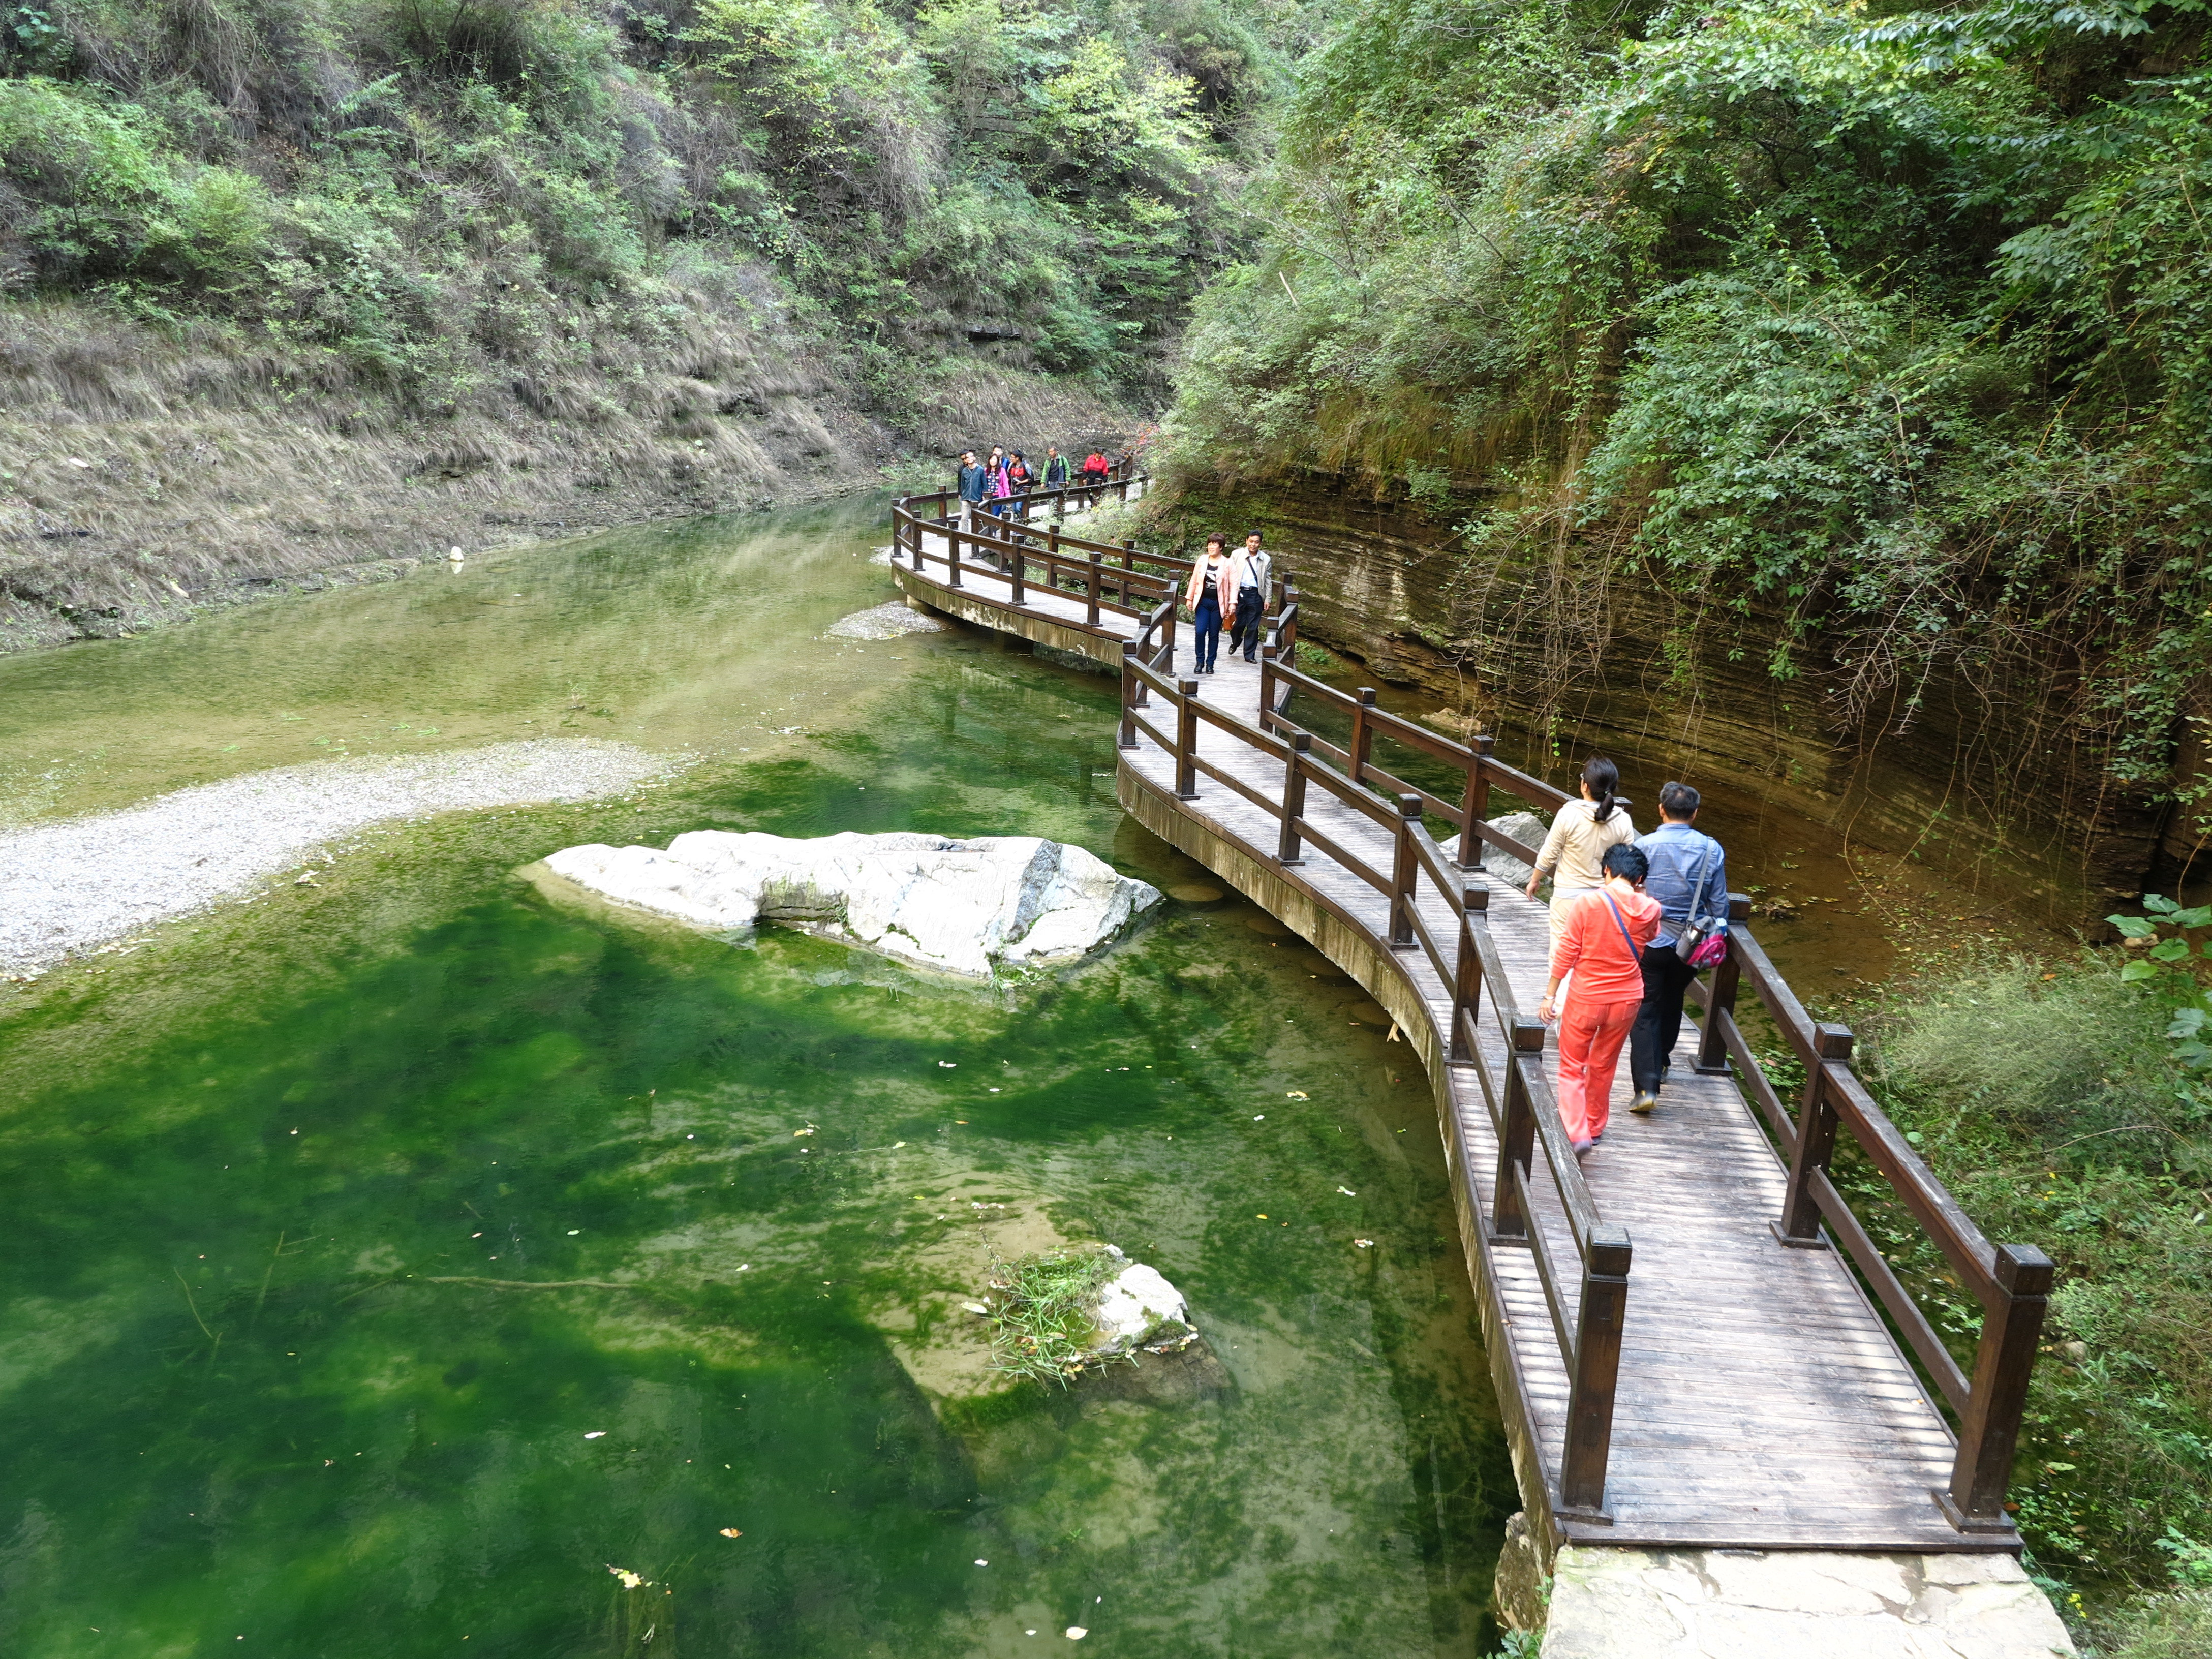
(1746, 1393)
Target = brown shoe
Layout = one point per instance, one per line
(1645, 1104)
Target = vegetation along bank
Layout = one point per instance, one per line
(1812, 392)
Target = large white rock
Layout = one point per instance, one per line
(996, 902)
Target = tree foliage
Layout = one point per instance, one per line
(1892, 321)
(410, 185)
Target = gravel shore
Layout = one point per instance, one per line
(77, 883)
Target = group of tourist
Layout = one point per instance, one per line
(1633, 918)
(995, 484)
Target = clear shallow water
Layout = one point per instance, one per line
(274, 1176)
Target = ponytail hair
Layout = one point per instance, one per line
(1600, 777)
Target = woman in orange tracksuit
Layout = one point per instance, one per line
(1601, 944)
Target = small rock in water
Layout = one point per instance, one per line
(1138, 1308)
(884, 622)
(1076, 1632)
(1268, 925)
(1190, 892)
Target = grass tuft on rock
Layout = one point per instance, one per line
(1043, 1312)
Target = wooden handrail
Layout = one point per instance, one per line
(2011, 1281)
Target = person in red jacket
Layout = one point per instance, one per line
(1601, 944)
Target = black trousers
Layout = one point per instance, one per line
(1659, 1021)
(1244, 631)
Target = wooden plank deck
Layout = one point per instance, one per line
(1762, 1402)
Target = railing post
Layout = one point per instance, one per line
(1266, 688)
(1466, 977)
(1475, 803)
(1131, 686)
(1720, 999)
(1404, 875)
(1186, 740)
(1091, 612)
(1989, 1428)
(1017, 572)
(1800, 1226)
(1294, 799)
(1128, 555)
(952, 557)
(1289, 634)
(1596, 1372)
(1517, 1136)
(900, 521)
(1362, 738)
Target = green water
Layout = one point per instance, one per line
(270, 1382)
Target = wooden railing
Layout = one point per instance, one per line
(1021, 505)
(1006, 551)
(1422, 887)
(2011, 1281)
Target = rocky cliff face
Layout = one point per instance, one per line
(1968, 771)
(145, 476)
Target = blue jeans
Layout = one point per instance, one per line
(1207, 629)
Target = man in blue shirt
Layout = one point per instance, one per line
(1689, 878)
(975, 483)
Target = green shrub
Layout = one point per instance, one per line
(2164, 1627)
(2049, 1100)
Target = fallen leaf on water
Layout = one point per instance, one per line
(1258, 1117)
(795, 1133)
(1296, 1094)
(630, 1580)
(1347, 1191)
(1076, 1632)
(975, 1308)
(595, 1434)
(1365, 1243)
(731, 1532)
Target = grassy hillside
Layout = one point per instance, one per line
(553, 261)
(1895, 322)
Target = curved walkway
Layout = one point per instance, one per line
(1683, 1356)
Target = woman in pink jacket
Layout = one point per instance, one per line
(1210, 597)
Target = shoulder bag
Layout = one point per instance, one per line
(1704, 939)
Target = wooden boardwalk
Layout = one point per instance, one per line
(1737, 1387)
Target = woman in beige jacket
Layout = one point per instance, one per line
(1573, 853)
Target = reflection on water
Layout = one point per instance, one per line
(673, 638)
(265, 1369)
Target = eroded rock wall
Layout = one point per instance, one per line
(1980, 775)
